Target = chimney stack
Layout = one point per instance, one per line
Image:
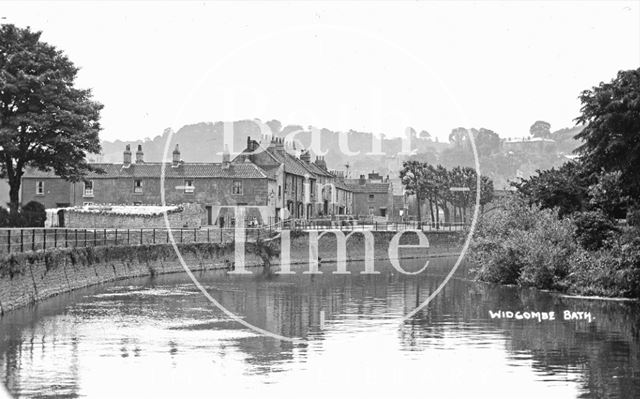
(176, 157)
(226, 162)
(321, 163)
(362, 180)
(139, 154)
(280, 145)
(305, 156)
(126, 159)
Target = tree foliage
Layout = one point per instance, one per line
(611, 137)
(565, 188)
(45, 122)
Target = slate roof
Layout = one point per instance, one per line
(355, 186)
(245, 170)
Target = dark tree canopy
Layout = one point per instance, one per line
(565, 188)
(611, 137)
(45, 122)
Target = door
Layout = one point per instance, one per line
(209, 215)
(61, 218)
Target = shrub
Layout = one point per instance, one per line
(4, 217)
(593, 229)
(613, 271)
(521, 244)
(34, 214)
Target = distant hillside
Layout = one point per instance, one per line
(203, 141)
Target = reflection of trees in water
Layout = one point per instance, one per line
(606, 352)
(24, 341)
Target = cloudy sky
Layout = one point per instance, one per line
(367, 66)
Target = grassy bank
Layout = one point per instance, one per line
(527, 246)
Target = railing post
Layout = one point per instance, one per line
(9, 240)
(181, 234)
(105, 237)
(76, 237)
(33, 239)
(66, 238)
(154, 235)
(195, 235)
(44, 239)
(85, 238)
(55, 238)
(208, 235)
(141, 234)
(116, 237)
(21, 240)
(95, 238)
(128, 236)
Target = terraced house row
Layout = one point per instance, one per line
(266, 176)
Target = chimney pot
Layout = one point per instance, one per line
(126, 159)
(176, 157)
(139, 154)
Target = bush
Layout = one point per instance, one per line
(613, 271)
(524, 245)
(4, 217)
(593, 229)
(34, 214)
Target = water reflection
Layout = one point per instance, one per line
(158, 337)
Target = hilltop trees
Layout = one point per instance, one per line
(45, 122)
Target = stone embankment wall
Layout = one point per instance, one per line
(29, 277)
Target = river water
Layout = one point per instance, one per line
(160, 337)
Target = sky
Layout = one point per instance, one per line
(377, 67)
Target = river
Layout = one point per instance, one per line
(160, 337)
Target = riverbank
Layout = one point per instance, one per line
(526, 246)
(26, 278)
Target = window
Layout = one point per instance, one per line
(137, 203)
(88, 188)
(39, 187)
(188, 186)
(87, 203)
(279, 191)
(137, 186)
(371, 197)
(371, 210)
(237, 187)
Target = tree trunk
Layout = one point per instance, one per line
(419, 203)
(437, 213)
(431, 209)
(14, 195)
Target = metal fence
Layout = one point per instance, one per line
(38, 239)
(323, 224)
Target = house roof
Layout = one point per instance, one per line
(245, 170)
(292, 164)
(355, 186)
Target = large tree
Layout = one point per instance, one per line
(45, 122)
(413, 177)
(565, 188)
(611, 137)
